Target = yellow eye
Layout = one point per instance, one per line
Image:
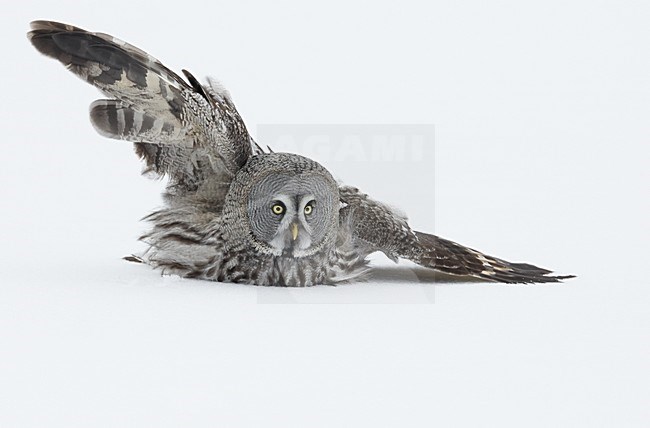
(309, 209)
(278, 209)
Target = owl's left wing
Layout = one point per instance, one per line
(376, 227)
(185, 130)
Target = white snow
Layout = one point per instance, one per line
(541, 156)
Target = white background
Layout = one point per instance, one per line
(541, 113)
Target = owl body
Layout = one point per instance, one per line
(233, 211)
(200, 236)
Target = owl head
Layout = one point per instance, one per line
(282, 204)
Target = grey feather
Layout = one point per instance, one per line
(233, 211)
(152, 105)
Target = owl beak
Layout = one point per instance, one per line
(294, 231)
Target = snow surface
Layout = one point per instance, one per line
(541, 155)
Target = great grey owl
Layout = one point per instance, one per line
(234, 212)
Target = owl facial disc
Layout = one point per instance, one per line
(291, 213)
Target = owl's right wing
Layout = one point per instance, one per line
(376, 227)
(185, 130)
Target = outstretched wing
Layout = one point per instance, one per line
(376, 227)
(186, 131)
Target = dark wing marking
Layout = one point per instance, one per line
(118, 120)
(450, 257)
(377, 227)
(116, 68)
(198, 87)
(186, 131)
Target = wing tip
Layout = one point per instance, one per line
(515, 277)
(45, 24)
(453, 258)
(42, 29)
